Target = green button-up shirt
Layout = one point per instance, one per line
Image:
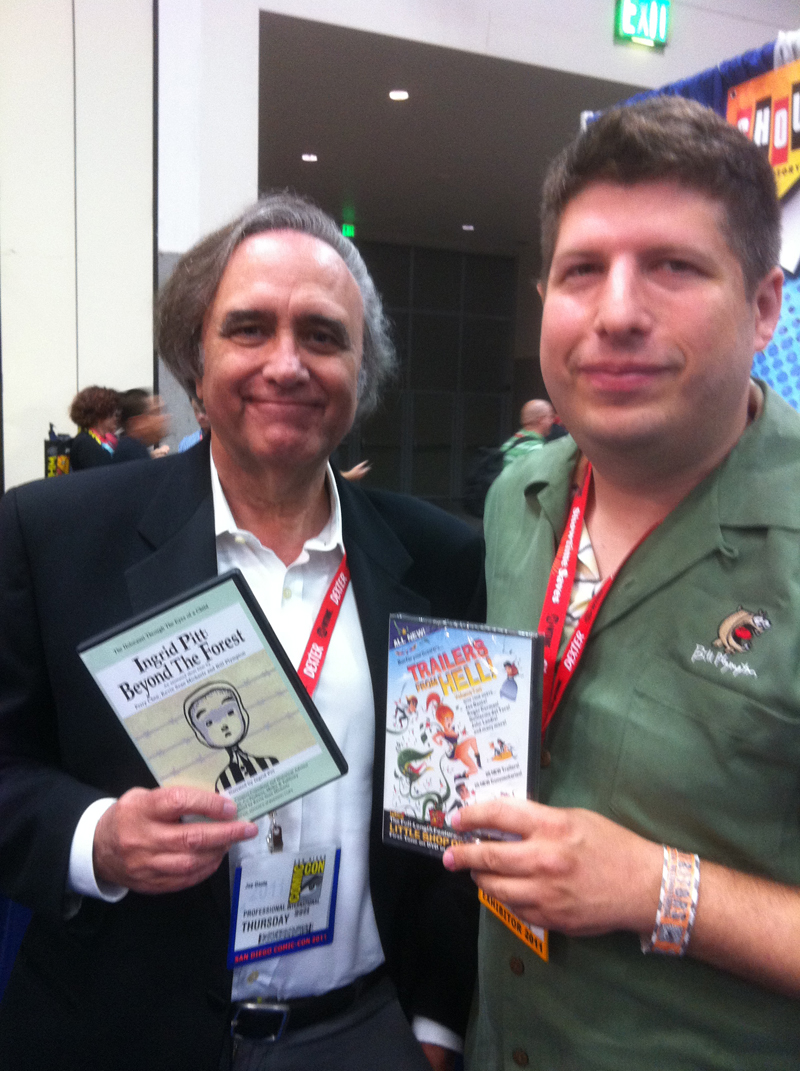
(681, 723)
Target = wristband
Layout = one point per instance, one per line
(677, 904)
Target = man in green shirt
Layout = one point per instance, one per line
(670, 798)
(536, 418)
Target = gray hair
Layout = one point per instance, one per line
(188, 293)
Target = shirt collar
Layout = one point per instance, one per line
(330, 538)
(752, 480)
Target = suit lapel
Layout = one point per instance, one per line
(178, 525)
(378, 563)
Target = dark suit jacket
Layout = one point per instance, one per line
(143, 983)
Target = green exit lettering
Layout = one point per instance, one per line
(644, 22)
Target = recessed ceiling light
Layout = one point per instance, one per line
(309, 157)
(467, 227)
(398, 94)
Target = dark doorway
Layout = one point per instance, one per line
(453, 315)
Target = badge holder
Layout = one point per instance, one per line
(275, 834)
(283, 903)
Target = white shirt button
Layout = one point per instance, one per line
(287, 593)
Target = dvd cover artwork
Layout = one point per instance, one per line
(458, 725)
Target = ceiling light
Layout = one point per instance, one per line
(398, 94)
(309, 157)
(467, 227)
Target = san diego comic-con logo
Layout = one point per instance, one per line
(306, 881)
(735, 636)
(737, 631)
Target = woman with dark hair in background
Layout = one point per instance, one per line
(96, 412)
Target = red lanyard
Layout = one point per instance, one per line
(318, 642)
(557, 675)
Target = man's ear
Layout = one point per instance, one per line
(767, 307)
(541, 290)
(198, 389)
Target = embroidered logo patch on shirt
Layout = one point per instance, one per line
(736, 633)
(734, 637)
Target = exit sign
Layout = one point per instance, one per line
(644, 22)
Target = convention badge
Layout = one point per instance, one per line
(534, 937)
(283, 903)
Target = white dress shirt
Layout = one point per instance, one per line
(338, 813)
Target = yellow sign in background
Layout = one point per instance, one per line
(767, 110)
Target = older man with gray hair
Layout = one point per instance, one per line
(273, 323)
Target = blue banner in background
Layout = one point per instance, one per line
(779, 364)
(711, 87)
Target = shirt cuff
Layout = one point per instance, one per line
(81, 878)
(435, 1034)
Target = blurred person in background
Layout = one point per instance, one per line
(536, 420)
(357, 472)
(195, 437)
(144, 423)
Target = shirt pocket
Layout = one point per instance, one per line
(707, 768)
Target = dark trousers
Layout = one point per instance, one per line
(373, 1035)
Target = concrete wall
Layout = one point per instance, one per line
(76, 210)
(207, 116)
(566, 35)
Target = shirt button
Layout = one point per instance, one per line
(516, 965)
(545, 760)
(520, 1057)
(240, 540)
(287, 593)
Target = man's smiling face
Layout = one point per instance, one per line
(282, 344)
(647, 333)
